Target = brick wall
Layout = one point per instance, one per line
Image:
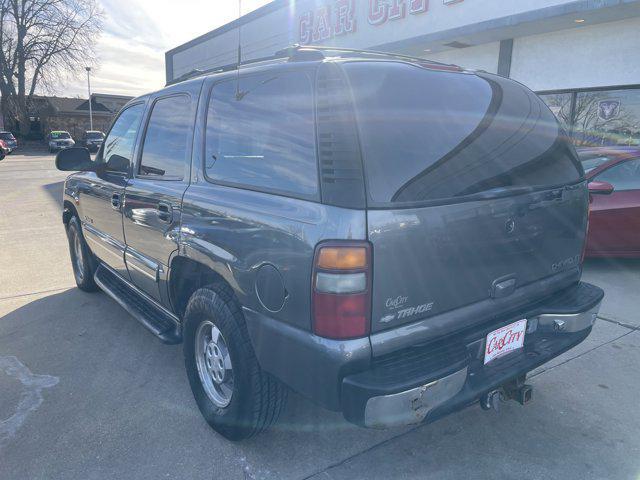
(76, 125)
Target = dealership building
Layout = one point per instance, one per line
(581, 56)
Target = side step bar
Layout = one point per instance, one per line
(162, 323)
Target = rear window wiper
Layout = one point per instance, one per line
(511, 191)
(500, 192)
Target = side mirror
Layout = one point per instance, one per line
(75, 160)
(600, 188)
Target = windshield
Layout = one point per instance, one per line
(590, 163)
(95, 135)
(431, 135)
(60, 135)
(6, 136)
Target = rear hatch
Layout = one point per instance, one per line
(473, 191)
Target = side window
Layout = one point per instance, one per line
(263, 136)
(623, 176)
(167, 140)
(118, 146)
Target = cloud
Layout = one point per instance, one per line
(136, 35)
(126, 67)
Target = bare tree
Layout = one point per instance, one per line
(41, 43)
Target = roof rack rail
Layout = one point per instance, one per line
(300, 53)
(364, 52)
(223, 68)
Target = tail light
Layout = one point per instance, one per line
(341, 289)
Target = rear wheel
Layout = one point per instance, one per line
(235, 396)
(82, 259)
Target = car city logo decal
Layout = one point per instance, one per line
(608, 109)
(395, 303)
(499, 343)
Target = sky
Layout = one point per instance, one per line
(136, 35)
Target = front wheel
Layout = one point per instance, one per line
(82, 259)
(235, 396)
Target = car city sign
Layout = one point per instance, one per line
(339, 17)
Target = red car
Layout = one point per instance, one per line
(4, 149)
(614, 185)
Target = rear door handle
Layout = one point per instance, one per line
(165, 212)
(115, 201)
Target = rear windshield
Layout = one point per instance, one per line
(6, 136)
(95, 135)
(57, 135)
(430, 135)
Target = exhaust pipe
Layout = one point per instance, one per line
(492, 400)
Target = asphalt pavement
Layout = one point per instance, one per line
(87, 393)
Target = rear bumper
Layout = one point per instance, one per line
(426, 382)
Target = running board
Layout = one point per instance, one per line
(156, 319)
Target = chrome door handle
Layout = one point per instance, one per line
(165, 212)
(115, 201)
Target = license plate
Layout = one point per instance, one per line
(505, 340)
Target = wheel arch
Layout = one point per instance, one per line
(187, 275)
(68, 211)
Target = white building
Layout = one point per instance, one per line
(582, 56)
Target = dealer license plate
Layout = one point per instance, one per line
(505, 340)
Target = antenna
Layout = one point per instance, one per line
(238, 93)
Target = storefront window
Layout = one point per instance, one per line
(606, 118)
(560, 105)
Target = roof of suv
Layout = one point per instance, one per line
(298, 53)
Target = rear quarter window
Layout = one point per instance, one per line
(262, 134)
(431, 135)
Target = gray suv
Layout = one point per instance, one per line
(394, 238)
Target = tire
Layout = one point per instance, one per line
(82, 260)
(249, 400)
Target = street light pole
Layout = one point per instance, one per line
(90, 106)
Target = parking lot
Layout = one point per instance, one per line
(86, 392)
